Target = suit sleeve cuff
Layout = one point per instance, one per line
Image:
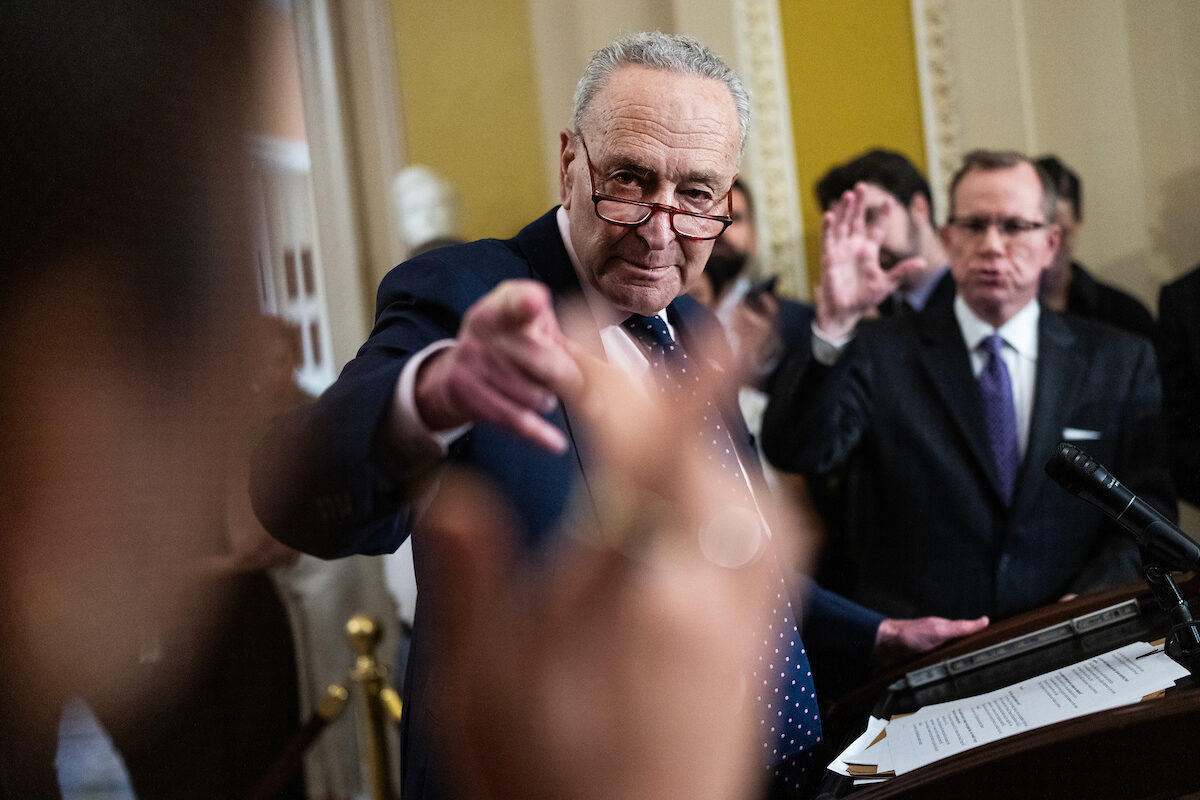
(827, 349)
(411, 435)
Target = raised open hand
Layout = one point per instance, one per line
(853, 282)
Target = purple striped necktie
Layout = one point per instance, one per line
(1000, 414)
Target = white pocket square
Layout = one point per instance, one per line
(1079, 434)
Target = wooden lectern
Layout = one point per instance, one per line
(1147, 750)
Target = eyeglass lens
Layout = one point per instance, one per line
(1007, 226)
(633, 212)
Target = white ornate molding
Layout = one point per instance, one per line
(770, 155)
(336, 223)
(940, 107)
(347, 78)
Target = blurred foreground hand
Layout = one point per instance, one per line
(617, 665)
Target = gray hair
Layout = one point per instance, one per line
(662, 51)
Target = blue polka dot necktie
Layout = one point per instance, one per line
(1000, 414)
(791, 723)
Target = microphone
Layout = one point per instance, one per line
(1079, 474)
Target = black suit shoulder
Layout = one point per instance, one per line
(1127, 357)
(1105, 339)
(1092, 299)
(1178, 345)
(795, 323)
(461, 273)
(1181, 293)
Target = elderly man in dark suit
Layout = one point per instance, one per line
(470, 363)
(947, 418)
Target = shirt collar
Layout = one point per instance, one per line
(1020, 332)
(918, 297)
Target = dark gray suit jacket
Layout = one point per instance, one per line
(925, 528)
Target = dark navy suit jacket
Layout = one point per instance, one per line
(323, 485)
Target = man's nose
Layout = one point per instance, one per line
(993, 238)
(657, 231)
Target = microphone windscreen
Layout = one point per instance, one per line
(1070, 467)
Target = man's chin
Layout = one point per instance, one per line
(641, 298)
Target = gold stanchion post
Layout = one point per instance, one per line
(380, 702)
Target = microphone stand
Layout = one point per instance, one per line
(1163, 546)
(1183, 641)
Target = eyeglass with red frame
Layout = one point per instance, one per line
(631, 213)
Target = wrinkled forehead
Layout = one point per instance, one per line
(1012, 190)
(688, 121)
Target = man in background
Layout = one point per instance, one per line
(762, 327)
(911, 253)
(911, 236)
(1067, 286)
(950, 415)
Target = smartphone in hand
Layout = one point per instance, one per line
(754, 295)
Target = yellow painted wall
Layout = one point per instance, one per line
(852, 81)
(468, 106)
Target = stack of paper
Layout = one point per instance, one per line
(893, 747)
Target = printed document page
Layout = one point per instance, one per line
(1114, 679)
(1117, 678)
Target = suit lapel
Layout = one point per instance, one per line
(1058, 378)
(542, 246)
(944, 360)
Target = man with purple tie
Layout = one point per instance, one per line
(942, 420)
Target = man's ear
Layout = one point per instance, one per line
(566, 154)
(1053, 239)
(918, 207)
